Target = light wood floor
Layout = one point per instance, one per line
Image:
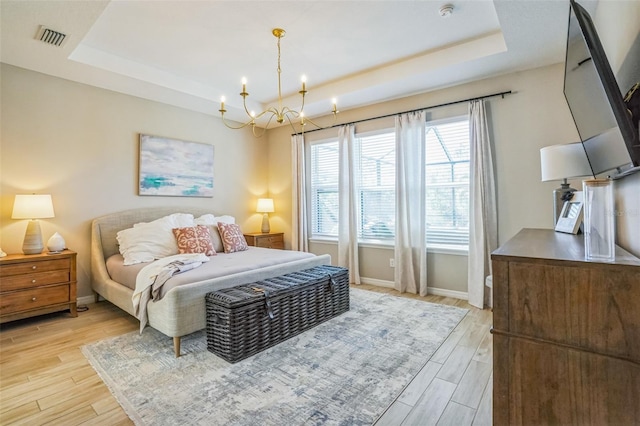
(45, 379)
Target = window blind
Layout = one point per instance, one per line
(377, 185)
(447, 182)
(324, 188)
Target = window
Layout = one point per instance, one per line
(324, 189)
(446, 192)
(447, 182)
(376, 181)
(377, 185)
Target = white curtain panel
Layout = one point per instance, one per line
(410, 273)
(483, 216)
(299, 225)
(349, 206)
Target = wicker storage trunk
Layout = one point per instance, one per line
(244, 320)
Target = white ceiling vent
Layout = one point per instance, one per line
(49, 36)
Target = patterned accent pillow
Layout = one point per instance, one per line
(194, 239)
(232, 237)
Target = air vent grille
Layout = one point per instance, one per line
(50, 36)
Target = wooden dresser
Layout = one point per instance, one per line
(37, 284)
(566, 333)
(273, 240)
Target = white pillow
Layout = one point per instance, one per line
(180, 220)
(209, 219)
(225, 219)
(146, 242)
(205, 219)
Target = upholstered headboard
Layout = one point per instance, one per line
(105, 228)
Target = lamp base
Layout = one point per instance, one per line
(33, 238)
(265, 224)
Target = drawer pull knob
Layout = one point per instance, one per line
(34, 267)
(33, 281)
(33, 299)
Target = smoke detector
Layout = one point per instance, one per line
(446, 10)
(49, 36)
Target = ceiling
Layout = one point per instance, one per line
(190, 53)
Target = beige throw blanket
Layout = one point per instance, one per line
(152, 277)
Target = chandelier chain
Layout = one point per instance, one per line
(279, 84)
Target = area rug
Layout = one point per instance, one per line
(345, 371)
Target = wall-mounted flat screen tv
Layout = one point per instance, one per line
(595, 100)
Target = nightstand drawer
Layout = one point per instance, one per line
(273, 240)
(34, 267)
(270, 242)
(32, 299)
(17, 282)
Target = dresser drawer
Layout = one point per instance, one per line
(34, 267)
(32, 299)
(17, 282)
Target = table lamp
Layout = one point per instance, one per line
(559, 162)
(265, 206)
(33, 207)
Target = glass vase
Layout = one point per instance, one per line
(599, 220)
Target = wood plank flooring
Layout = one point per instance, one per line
(45, 379)
(455, 385)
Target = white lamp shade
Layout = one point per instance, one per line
(32, 206)
(558, 162)
(265, 205)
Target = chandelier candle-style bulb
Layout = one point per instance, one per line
(304, 84)
(222, 110)
(244, 87)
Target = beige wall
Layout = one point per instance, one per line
(535, 115)
(619, 31)
(627, 207)
(80, 144)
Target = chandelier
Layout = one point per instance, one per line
(281, 113)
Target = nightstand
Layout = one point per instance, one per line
(274, 240)
(37, 284)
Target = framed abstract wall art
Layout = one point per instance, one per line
(175, 168)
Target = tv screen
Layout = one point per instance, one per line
(595, 100)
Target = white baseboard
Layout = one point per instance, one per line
(463, 295)
(376, 282)
(85, 300)
(430, 290)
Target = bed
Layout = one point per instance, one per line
(181, 310)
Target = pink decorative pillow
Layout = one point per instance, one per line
(232, 237)
(194, 239)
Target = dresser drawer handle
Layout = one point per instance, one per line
(34, 267)
(33, 299)
(33, 281)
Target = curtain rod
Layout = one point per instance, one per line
(413, 110)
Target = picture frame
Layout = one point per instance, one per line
(571, 214)
(174, 168)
